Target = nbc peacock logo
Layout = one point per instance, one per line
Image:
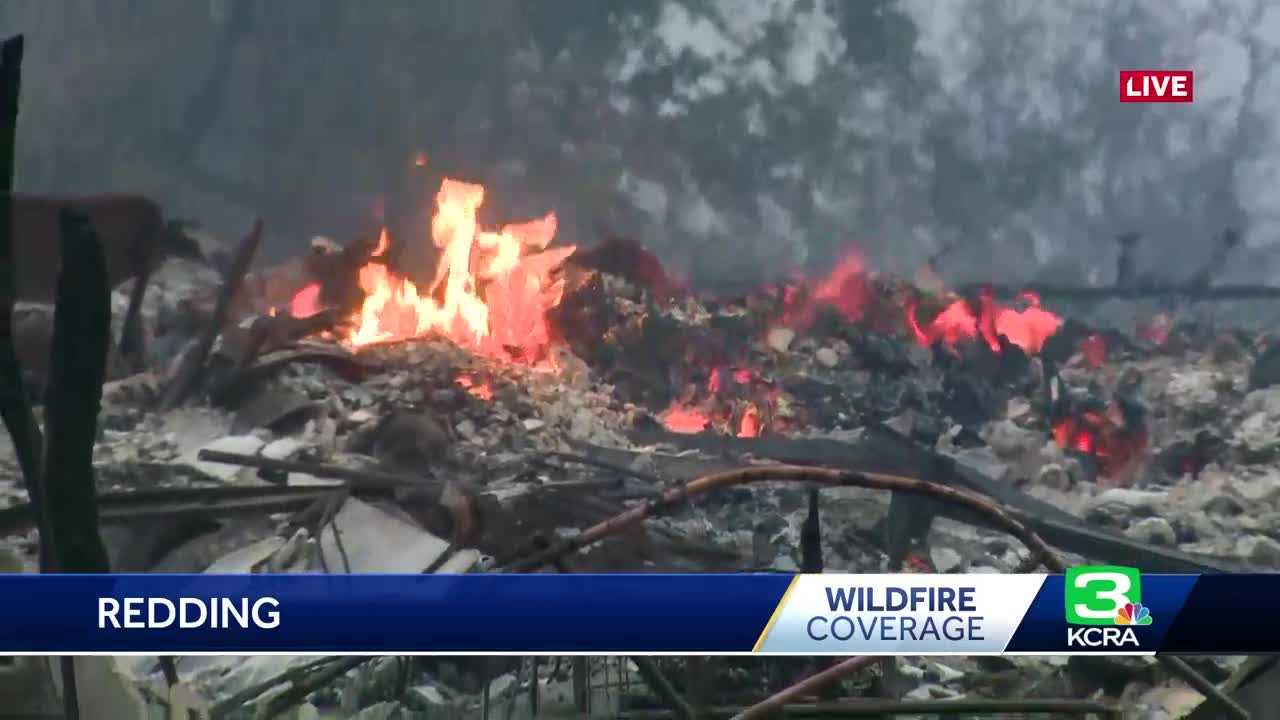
(1133, 614)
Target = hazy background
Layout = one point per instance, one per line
(737, 138)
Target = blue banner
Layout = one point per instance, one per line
(391, 614)
(1092, 609)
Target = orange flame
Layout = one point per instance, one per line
(1028, 328)
(1116, 447)
(845, 289)
(474, 388)
(307, 302)
(1094, 350)
(491, 290)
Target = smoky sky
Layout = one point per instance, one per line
(739, 139)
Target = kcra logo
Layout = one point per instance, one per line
(1104, 602)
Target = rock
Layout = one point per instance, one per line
(283, 449)
(381, 711)
(945, 559)
(1223, 505)
(827, 357)
(1174, 702)
(1153, 531)
(1258, 437)
(1010, 442)
(1195, 393)
(785, 563)
(1126, 501)
(466, 429)
(1259, 549)
(1054, 476)
(1265, 401)
(945, 674)
(779, 338)
(929, 691)
(411, 440)
(1261, 489)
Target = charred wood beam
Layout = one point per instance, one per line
(881, 708)
(1255, 685)
(1186, 290)
(460, 503)
(15, 404)
(120, 508)
(192, 367)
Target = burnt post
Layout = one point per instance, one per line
(15, 406)
(82, 329)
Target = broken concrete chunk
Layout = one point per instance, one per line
(1260, 550)
(1010, 442)
(1153, 531)
(367, 533)
(1195, 392)
(945, 559)
(779, 338)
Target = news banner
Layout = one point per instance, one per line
(1095, 609)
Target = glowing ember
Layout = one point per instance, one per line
(1027, 328)
(1116, 447)
(1094, 351)
(686, 420)
(491, 290)
(475, 389)
(751, 424)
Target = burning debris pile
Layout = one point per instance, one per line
(534, 389)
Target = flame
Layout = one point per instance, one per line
(1028, 328)
(1115, 446)
(845, 288)
(751, 424)
(491, 290)
(716, 404)
(307, 302)
(475, 388)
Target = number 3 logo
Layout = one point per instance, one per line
(1109, 587)
(1096, 594)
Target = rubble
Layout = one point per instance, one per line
(465, 460)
